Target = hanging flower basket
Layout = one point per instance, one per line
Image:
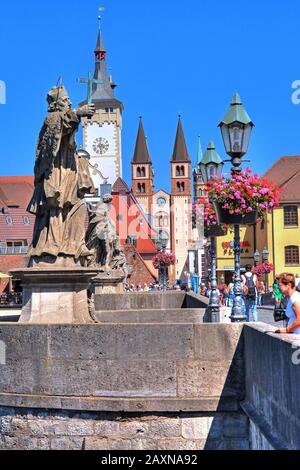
(242, 198)
(225, 217)
(264, 268)
(162, 260)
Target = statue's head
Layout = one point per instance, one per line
(107, 198)
(58, 99)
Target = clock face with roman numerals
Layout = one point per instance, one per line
(100, 146)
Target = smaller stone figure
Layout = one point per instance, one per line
(101, 235)
(119, 262)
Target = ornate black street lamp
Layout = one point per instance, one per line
(236, 128)
(256, 257)
(211, 165)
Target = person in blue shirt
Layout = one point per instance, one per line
(287, 286)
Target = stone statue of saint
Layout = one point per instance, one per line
(101, 236)
(62, 179)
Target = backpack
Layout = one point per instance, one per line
(251, 289)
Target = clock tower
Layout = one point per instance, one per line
(102, 133)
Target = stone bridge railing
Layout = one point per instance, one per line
(148, 386)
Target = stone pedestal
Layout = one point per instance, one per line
(111, 282)
(55, 294)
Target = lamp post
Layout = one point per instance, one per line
(256, 256)
(236, 128)
(265, 258)
(210, 165)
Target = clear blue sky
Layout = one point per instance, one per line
(167, 57)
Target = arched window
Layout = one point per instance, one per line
(182, 187)
(138, 172)
(291, 255)
(290, 216)
(143, 188)
(200, 192)
(178, 188)
(182, 171)
(178, 171)
(143, 172)
(139, 188)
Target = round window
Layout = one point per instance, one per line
(9, 220)
(161, 201)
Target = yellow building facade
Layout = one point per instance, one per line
(225, 253)
(281, 234)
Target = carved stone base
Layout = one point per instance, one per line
(212, 314)
(111, 282)
(55, 295)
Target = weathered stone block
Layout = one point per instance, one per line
(144, 444)
(181, 444)
(89, 342)
(154, 342)
(208, 378)
(28, 443)
(12, 443)
(106, 428)
(67, 443)
(38, 428)
(195, 428)
(24, 342)
(218, 342)
(80, 428)
(18, 425)
(120, 444)
(95, 443)
(133, 430)
(43, 444)
(5, 424)
(165, 427)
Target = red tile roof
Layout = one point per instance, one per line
(285, 172)
(119, 186)
(8, 262)
(16, 190)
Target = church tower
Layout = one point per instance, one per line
(142, 174)
(181, 202)
(102, 133)
(197, 175)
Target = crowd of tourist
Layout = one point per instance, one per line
(253, 291)
(153, 287)
(11, 298)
